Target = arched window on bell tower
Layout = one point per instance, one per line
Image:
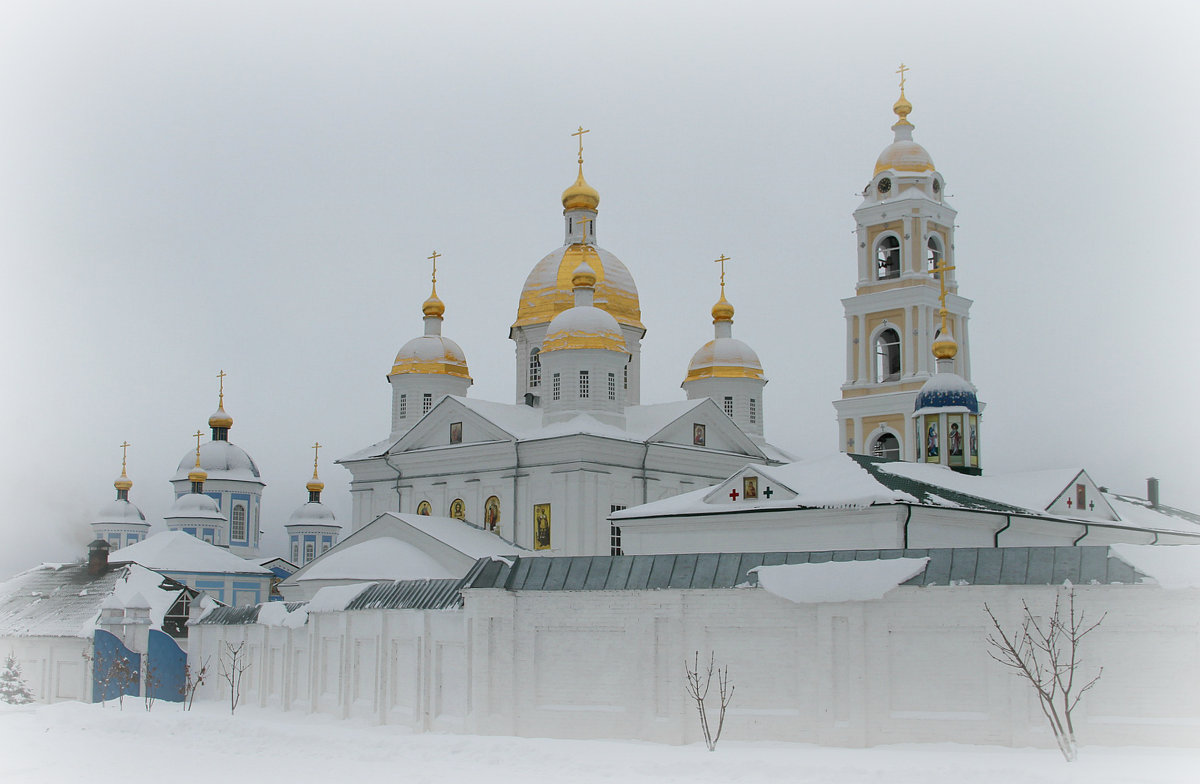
(886, 446)
(887, 258)
(887, 356)
(535, 368)
(934, 253)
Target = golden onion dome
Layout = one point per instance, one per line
(904, 156)
(431, 354)
(944, 346)
(220, 418)
(433, 306)
(197, 474)
(724, 358)
(123, 482)
(723, 310)
(584, 327)
(580, 196)
(584, 276)
(902, 108)
(314, 485)
(549, 289)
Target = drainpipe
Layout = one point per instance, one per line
(387, 459)
(1086, 531)
(907, 518)
(645, 479)
(996, 536)
(516, 470)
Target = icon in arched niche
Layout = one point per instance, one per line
(424, 508)
(458, 509)
(491, 513)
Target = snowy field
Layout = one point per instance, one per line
(76, 742)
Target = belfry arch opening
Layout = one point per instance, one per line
(886, 446)
(934, 253)
(887, 356)
(887, 258)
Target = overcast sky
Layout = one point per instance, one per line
(254, 187)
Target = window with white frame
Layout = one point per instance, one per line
(612, 386)
(933, 253)
(295, 552)
(237, 523)
(753, 410)
(614, 533)
(555, 386)
(887, 355)
(426, 403)
(403, 406)
(887, 258)
(535, 367)
(729, 406)
(309, 551)
(584, 384)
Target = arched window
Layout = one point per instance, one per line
(535, 367)
(886, 446)
(933, 253)
(887, 258)
(310, 551)
(237, 523)
(458, 509)
(887, 356)
(491, 513)
(424, 508)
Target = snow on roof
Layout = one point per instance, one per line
(464, 537)
(837, 581)
(375, 559)
(220, 460)
(1138, 511)
(1034, 490)
(1172, 566)
(334, 598)
(279, 614)
(175, 551)
(120, 511)
(194, 506)
(55, 600)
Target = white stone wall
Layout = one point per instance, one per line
(53, 667)
(912, 667)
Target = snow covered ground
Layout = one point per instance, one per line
(76, 742)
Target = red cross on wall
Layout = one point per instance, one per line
(734, 494)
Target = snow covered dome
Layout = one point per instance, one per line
(903, 154)
(724, 358)
(120, 511)
(947, 390)
(548, 289)
(220, 460)
(312, 513)
(431, 354)
(584, 326)
(194, 506)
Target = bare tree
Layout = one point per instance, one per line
(698, 685)
(1046, 654)
(233, 665)
(111, 671)
(151, 684)
(191, 682)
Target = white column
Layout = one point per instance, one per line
(964, 348)
(858, 445)
(862, 349)
(849, 349)
(908, 367)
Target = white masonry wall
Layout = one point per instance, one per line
(912, 667)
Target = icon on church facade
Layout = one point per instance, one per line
(954, 439)
(541, 526)
(458, 509)
(698, 434)
(932, 439)
(455, 434)
(973, 439)
(424, 508)
(749, 487)
(491, 513)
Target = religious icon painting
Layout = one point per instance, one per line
(458, 509)
(973, 439)
(955, 438)
(455, 434)
(424, 508)
(749, 487)
(541, 526)
(932, 437)
(491, 513)
(698, 434)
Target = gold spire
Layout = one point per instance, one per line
(315, 485)
(723, 310)
(197, 474)
(902, 107)
(944, 346)
(219, 417)
(123, 481)
(434, 306)
(580, 196)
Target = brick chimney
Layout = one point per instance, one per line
(97, 557)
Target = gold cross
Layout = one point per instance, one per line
(580, 134)
(198, 435)
(940, 270)
(124, 447)
(316, 451)
(221, 397)
(434, 257)
(722, 261)
(584, 222)
(901, 71)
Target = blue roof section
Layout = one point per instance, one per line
(930, 494)
(947, 565)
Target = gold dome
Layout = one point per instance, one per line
(549, 289)
(433, 306)
(314, 485)
(584, 276)
(723, 310)
(197, 474)
(902, 108)
(123, 482)
(431, 354)
(220, 418)
(580, 196)
(724, 358)
(944, 344)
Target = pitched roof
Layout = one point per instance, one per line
(176, 551)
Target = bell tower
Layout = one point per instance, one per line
(905, 230)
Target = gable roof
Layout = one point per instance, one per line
(176, 551)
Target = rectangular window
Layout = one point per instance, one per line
(729, 406)
(612, 386)
(627, 377)
(614, 533)
(309, 551)
(403, 406)
(426, 403)
(237, 524)
(295, 552)
(555, 387)
(753, 411)
(583, 384)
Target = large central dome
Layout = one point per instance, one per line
(548, 290)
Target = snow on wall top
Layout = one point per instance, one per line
(175, 551)
(834, 581)
(1171, 566)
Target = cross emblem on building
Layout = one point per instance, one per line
(768, 493)
(733, 494)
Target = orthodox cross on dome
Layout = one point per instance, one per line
(124, 447)
(316, 452)
(434, 257)
(221, 394)
(198, 435)
(583, 232)
(901, 70)
(940, 270)
(722, 261)
(580, 134)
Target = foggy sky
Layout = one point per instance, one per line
(255, 187)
